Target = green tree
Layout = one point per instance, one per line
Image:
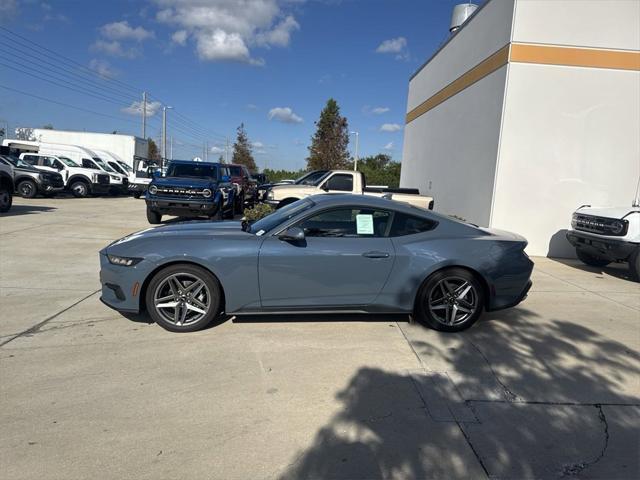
(277, 175)
(154, 153)
(329, 144)
(379, 170)
(242, 150)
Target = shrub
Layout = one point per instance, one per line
(259, 211)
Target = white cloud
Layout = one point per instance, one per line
(284, 114)
(257, 144)
(123, 31)
(216, 150)
(395, 45)
(227, 30)
(252, 106)
(115, 49)
(136, 108)
(102, 68)
(380, 110)
(180, 37)
(388, 146)
(8, 10)
(390, 127)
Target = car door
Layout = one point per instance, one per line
(344, 261)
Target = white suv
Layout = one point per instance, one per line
(79, 181)
(604, 235)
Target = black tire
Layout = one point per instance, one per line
(79, 189)
(240, 205)
(445, 290)
(220, 212)
(634, 265)
(591, 260)
(6, 198)
(27, 189)
(137, 195)
(209, 295)
(153, 217)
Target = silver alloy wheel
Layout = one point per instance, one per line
(182, 299)
(453, 300)
(80, 189)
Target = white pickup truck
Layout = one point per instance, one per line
(605, 235)
(343, 181)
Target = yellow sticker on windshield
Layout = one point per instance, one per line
(364, 224)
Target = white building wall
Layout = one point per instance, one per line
(450, 151)
(571, 136)
(584, 23)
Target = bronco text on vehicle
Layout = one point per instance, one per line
(605, 235)
(191, 189)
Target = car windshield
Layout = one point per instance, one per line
(281, 215)
(235, 171)
(125, 167)
(103, 164)
(312, 178)
(194, 169)
(68, 162)
(117, 167)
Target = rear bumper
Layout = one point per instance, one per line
(517, 300)
(613, 250)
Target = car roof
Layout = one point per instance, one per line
(192, 162)
(339, 199)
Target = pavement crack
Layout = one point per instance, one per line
(35, 328)
(577, 468)
(506, 392)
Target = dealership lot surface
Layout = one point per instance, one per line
(548, 389)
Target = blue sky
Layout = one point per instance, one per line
(271, 64)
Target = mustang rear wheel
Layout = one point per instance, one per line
(451, 300)
(183, 298)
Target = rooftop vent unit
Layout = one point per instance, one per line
(461, 14)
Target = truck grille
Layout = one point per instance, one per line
(103, 179)
(179, 192)
(600, 225)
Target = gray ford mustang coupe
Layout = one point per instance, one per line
(323, 254)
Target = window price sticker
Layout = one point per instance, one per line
(364, 224)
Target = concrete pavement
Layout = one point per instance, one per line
(548, 389)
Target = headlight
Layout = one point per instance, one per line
(113, 177)
(617, 227)
(123, 261)
(94, 178)
(270, 195)
(206, 193)
(153, 189)
(574, 220)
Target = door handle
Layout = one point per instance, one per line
(376, 255)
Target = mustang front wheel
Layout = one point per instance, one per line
(451, 300)
(183, 298)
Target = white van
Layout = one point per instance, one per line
(82, 156)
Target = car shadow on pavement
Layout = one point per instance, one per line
(510, 398)
(27, 210)
(317, 317)
(618, 270)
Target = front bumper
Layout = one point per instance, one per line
(100, 188)
(614, 250)
(122, 286)
(182, 207)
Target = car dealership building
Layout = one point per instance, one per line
(527, 112)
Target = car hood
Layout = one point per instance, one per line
(292, 187)
(26, 169)
(608, 212)
(192, 182)
(182, 231)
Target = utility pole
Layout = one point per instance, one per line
(144, 115)
(355, 158)
(164, 134)
(206, 151)
(226, 152)
(171, 148)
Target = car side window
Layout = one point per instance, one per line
(341, 182)
(58, 165)
(404, 224)
(347, 222)
(46, 162)
(86, 163)
(32, 159)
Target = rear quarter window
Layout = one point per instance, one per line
(404, 224)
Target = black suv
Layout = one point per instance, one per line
(30, 181)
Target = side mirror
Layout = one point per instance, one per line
(292, 234)
(226, 178)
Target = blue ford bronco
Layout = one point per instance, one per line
(191, 189)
